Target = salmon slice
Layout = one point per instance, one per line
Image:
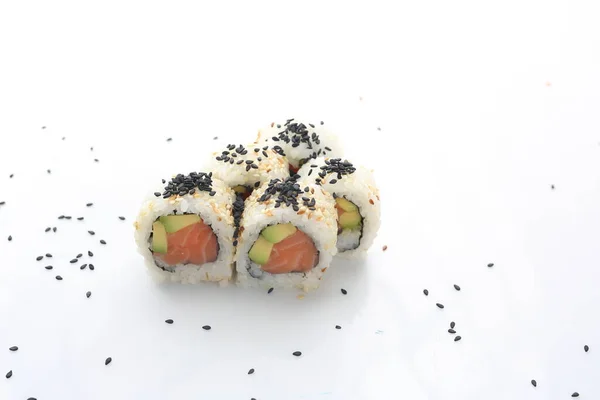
(296, 253)
(194, 244)
(293, 169)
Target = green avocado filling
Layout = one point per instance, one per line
(348, 215)
(159, 238)
(173, 223)
(261, 250)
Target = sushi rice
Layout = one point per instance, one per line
(227, 168)
(301, 139)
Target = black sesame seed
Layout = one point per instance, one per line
(157, 194)
(586, 348)
(9, 238)
(79, 218)
(102, 241)
(9, 374)
(169, 321)
(48, 267)
(32, 398)
(73, 261)
(11, 175)
(89, 204)
(49, 171)
(96, 160)
(83, 266)
(88, 294)
(452, 324)
(13, 348)
(440, 305)
(108, 361)
(54, 229)
(215, 138)
(39, 258)
(270, 291)
(251, 371)
(338, 327)
(68, 217)
(457, 287)
(297, 353)
(451, 331)
(575, 394)
(91, 266)
(426, 292)
(457, 338)
(344, 291)
(59, 278)
(48, 255)
(206, 327)
(169, 139)
(490, 265)
(534, 383)
(90, 254)
(79, 255)
(122, 218)
(2, 203)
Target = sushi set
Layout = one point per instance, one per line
(271, 213)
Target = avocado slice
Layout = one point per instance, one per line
(261, 251)
(239, 189)
(350, 220)
(276, 233)
(345, 205)
(159, 238)
(173, 223)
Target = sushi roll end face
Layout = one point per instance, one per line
(288, 236)
(185, 232)
(357, 201)
(301, 140)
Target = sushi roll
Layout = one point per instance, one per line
(301, 140)
(288, 236)
(185, 232)
(356, 201)
(244, 168)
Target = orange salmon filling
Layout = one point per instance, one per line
(296, 253)
(194, 244)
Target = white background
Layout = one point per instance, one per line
(482, 107)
